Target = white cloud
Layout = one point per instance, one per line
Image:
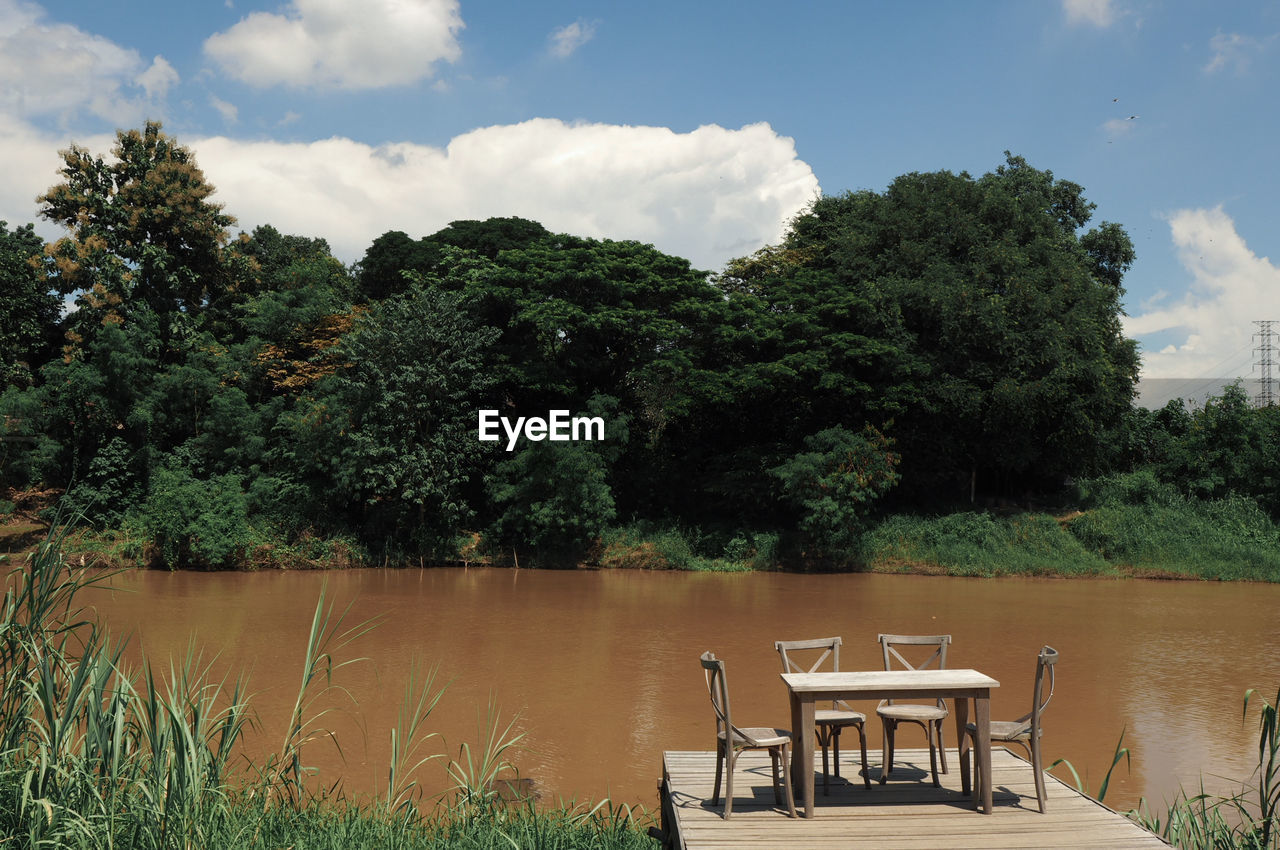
(1235, 50)
(337, 44)
(1119, 126)
(1231, 287)
(59, 70)
(228, 111)
(567, 39)
(31, 165)
(1099, 13)
(157, 79)
(708, 195)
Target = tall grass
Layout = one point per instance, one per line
(647, 546)
(93, 754)
(979, 544)
(1246, 820)
(1135, 522)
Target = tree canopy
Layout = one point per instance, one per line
(974, 312)
(950, 333)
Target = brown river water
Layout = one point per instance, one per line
(600, 669)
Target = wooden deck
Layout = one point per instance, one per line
(907, 813)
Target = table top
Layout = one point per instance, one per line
(877, 680)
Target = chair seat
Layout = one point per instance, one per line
(760, 736)
(907, 711)
(1006, 730)
(835, 717)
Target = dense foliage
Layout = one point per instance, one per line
(950, 340)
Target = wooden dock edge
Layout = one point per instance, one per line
(669, 832)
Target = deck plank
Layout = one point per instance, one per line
(907, 813)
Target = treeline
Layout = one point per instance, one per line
(948, 339)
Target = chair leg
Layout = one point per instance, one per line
(942, 748)
(728, 783)
(776, 773)
(715, 795)
(886, 750)
(933, 755)
(1038, 767)
(835, 748)
(786, 780)
(824, 739)
(862, 742)
(977, 776)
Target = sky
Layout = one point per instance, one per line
(700, 127)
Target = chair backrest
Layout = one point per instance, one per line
(718, 690)
(810, 656)
(1046, 661)
(918, 656)
(889, 646)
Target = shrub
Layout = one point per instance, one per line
(202, 521)
(835, 481)
(975, 543)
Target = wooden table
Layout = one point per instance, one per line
(805, 689)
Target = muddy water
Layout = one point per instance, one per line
(599, 669)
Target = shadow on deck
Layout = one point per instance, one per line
(907, 813)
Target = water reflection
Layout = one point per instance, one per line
(601, 667)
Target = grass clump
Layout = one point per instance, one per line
(1246, 820)
(978, 544)
(1134, 521)
(646, 546)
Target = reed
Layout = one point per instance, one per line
(95, 755)
(1246, 820)
(477, 771)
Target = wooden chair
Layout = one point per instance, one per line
(1025, 731)
(929, 716)
(732, 740)
(827, 721)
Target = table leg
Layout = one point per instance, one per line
(961, 710)
(802, 725)
(982, 744)
(797, 757)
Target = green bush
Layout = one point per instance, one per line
(1228, 538)
(109, 488)
(1141, 487)
(834, 482)
(553, 498)
(975, 543)
(192, 520)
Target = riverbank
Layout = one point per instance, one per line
(1120, 527)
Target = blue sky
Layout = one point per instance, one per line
(700, 127)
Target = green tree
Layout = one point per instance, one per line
(143, 234)
(381, 273)
(196, 522)
(835, 481)
(982, 319)
(1229, 447)
(585, 317)
(390, 437)
(554, 499)
(28, 310)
